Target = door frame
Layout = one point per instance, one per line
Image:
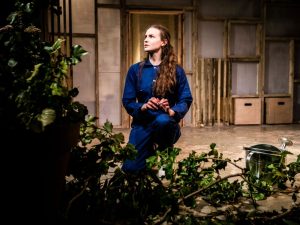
(127, 52)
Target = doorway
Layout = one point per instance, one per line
(138, 22)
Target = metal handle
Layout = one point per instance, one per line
(249, 156)
(257, 166)
(284, 142)
(260, 150)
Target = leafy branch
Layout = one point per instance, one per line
(116, 197)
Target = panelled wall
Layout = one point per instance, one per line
(230, 34)
(242, 57)
(77, 27)
(281, 39)
(256, 43)
(119, 28)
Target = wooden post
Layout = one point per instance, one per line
(219, 92)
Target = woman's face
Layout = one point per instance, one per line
(152, 41)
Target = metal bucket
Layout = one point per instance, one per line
(258, 156)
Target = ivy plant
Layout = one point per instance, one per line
(98, 192)
(33, 87)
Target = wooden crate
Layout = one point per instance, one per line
(279, 110)
(247, 111)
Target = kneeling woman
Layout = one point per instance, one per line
(157, 96)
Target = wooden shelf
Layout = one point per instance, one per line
(244, 58)
(245, 96)
(276, 95)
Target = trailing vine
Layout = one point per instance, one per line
(98, 192)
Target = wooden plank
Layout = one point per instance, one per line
(206, 91)
(195, 61)
(225, 54)
(228, 95)
(219, 92)
(214, 94)
(225, 119)
(197, 90)
(244, 59)
(261, 91)
(125, 54)
(209, 91)
(291, 67)
(202, 102)
(291, 74)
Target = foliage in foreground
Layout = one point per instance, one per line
(98, 192)
(34, 88)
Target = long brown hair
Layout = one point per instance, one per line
(166, 77)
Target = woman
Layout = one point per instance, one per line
(157, 96)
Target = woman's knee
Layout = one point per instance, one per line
(163, 120)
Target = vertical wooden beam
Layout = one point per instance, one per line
(219, 92)
(70, 40)
(180, 39)
(229, 111)
(291, 66)
(52, 4)
(195, 60)
(97, 108)
(263, 61)
(225, 106)
(292, 73)
(202, 102)
(214, 90)
(125, 60)
(197, 91)
(65, 23)
(260, 74)
(209, 90)
(225, 54)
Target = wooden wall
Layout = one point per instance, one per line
(230, 49)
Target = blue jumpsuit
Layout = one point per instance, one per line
(152, 127)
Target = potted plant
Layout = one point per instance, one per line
(39, 118)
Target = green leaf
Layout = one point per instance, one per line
(12, 63)
(57, 44)
(290, 222)
(259, 196)
(55, 47)
(151, 161)
(57, 90)
(108, 126)
(77, 53)
(47, 116)
(28, 7)
(48, 49)
(63, 67)
(213, 145)
(12, 17)
(35, 71)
